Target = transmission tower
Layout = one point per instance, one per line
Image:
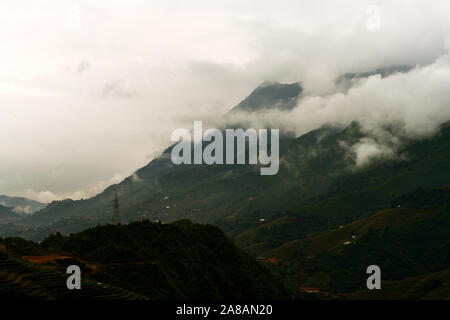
(116, 219)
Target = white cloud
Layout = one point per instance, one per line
(47, 196)
(368, 150)
(135, 177)
(41, 196)
(390, 110)
(23, 209)
(177, 61)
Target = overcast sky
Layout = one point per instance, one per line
(91, 90)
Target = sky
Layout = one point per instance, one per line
(90, 91)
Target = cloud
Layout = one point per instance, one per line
(135, 177)
(47, 196)
(160, 65)
(84, 66)
(23, 210)
(120, 89)
(390, 110)
(367, 150)
(42, 196)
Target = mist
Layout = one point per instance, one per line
(91, 90)
(390, 110)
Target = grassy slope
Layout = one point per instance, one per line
(425, 287)
(410, 241)
(334, 239)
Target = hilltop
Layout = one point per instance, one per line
(271, 95)
(181, 260)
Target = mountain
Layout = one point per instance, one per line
(317, 188)
(383, 72)
(7, 212)
(346, 81)
(315, 166)
(20, 205)
(346, 197)
(271, 95)
(147, 260)
(167, 192)
(293, 217)
(410, 239)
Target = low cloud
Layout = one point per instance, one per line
(23, 210)
(135, 177)
(42, 196)
(47, 196)
(390, 110)
(368, 150)
(84, 66)
(119, 89)
(99, 100)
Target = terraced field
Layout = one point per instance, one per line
(139, 260)
(21, 279)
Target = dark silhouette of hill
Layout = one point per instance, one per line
(181, 260)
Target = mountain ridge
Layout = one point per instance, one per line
(271, 95)
(21, 205)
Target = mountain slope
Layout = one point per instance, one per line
(346, 81)
(334, 239)
(271, 95)
(433, 286)
(21, 205)
(357, 194)
(409, 240)
(7, 212)
(159, 261)
(22, 280)
(168, 192)
(318, 186)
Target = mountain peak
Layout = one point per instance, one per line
(271, 95)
